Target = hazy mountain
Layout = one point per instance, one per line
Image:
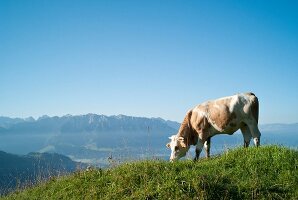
(81, 123)
(8, 122)
(18, 171)
(93, 138)
(92, 122)
(278, 127)
(88, 137)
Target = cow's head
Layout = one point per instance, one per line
(178, 147)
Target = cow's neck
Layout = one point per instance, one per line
(189, 135)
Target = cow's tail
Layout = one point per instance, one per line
(254, 106)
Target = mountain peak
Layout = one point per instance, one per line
(67, 115)
(29, 119)
(43, 117)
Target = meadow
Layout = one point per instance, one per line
(267, 172)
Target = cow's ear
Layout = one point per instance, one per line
(168, 145)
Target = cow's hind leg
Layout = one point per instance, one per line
(199, 148)
(246, 135)
(207, 147)
(253, 127)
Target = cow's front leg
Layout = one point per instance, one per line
(207, 147)
(199, 148)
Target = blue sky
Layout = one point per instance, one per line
(146, 58)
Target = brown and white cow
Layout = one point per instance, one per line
(221, 116)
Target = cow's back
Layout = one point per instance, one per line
(228, 114)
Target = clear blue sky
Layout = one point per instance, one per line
(154, 58)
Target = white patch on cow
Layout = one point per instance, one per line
(216, 105)
(205, 145)
(256, 140)
(199, 112)
(202, 114)
(233, 102)
(173, 142)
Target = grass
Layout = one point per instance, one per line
(268, 172)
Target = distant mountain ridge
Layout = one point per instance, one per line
(101, 122)
(87, 136)
(280, 127)
(81, 122)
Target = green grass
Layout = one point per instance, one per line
(268, 172)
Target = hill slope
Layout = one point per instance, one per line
(268, 172)
(18, 171)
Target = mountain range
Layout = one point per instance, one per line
(89, 138)
(93, 138)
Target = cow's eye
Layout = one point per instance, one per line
(176, 148)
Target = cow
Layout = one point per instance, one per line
(221, 116)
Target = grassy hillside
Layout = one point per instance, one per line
(268, 172)
(17, 171)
